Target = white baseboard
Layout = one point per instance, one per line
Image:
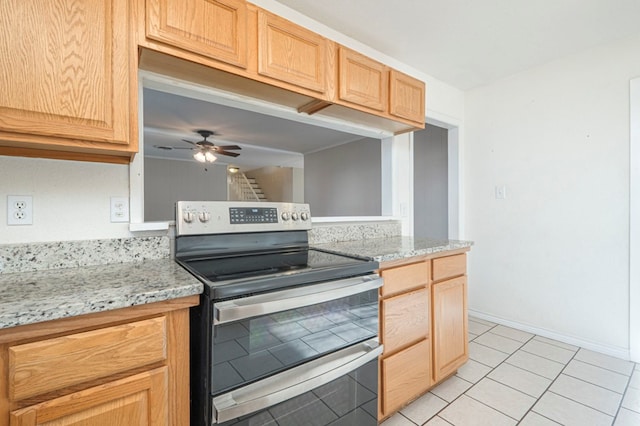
(614, 351)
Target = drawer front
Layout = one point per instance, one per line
(405, 375)
(405, 278)
(40, 367)
(405, 319)
(450, 266)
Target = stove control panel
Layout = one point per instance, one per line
(223, 217)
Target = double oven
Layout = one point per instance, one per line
(285, 334)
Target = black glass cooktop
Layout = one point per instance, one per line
(250, 273)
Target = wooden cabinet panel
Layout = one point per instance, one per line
(405, 319)
(362, 80)
(406, 97)
(213, 28)
(405, 375)
(290, 53)
(450, 348)
(40, 367)
(449, 266)
(66, 72)
(404, 278)
(139, 400)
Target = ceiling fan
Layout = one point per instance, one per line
(204, 149)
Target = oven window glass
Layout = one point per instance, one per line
(347, 401)
(251, 349)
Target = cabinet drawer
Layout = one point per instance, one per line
(405, 375)
(404, 278)
(450, 266)
(40, 367)
(405, 319)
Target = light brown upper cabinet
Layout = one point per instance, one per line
(361, 80)
(406, 97)
(290, 53)
(213, 28)
(68, 79)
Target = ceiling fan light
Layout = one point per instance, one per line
(209, 157)
(200, 156)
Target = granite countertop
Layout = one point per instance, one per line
(394, 248)
(31, 297)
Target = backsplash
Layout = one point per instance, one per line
(337, 232)
(72, 254)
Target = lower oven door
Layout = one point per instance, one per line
(337, 389)
(258, 336)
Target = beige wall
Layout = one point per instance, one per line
(280, 183)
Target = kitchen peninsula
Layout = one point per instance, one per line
(423, 313)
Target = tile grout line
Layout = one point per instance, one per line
(626, 388)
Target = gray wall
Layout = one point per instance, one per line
(168, 181)
(344, 180)
(430, 183)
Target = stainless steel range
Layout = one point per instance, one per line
(285, 334)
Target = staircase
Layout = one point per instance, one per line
(243, 188)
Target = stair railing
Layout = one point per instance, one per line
(243, 187)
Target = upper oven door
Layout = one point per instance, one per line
(257, 336)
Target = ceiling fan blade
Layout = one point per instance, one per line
(223, 147)
(192, 143)
(229, 153)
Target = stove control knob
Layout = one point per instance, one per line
(188, 216)
(285, 216)
(294, 216)
(304, 216)
(204, 217)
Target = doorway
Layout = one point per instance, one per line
(431, 183)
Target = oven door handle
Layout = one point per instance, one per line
(269, 303)
(293, 382)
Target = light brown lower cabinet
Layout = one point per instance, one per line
(405, 375)
(127, 367)
(137, 400)
(423, 326)
(450, 347)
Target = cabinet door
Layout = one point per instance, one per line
(405, 319)
(213, 28)
(290, 53)
(65, 71)
(405, 375)
(449, 335)
(406, 97)
(362, 80)
(139, 400)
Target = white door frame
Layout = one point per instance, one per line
(634, 221)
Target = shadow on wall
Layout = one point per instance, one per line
(345, 180)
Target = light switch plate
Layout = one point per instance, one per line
(119, 209)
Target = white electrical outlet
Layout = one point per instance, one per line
(119, 209)
(19, 210)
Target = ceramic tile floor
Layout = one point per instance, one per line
(517, 378)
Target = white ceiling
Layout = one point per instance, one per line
(464, 43)
(265, 140)
(470, 43)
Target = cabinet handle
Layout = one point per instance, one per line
(264, 304)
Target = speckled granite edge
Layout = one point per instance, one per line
(72, 254)
(32, 297)
(332, 233)
(394, 248)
